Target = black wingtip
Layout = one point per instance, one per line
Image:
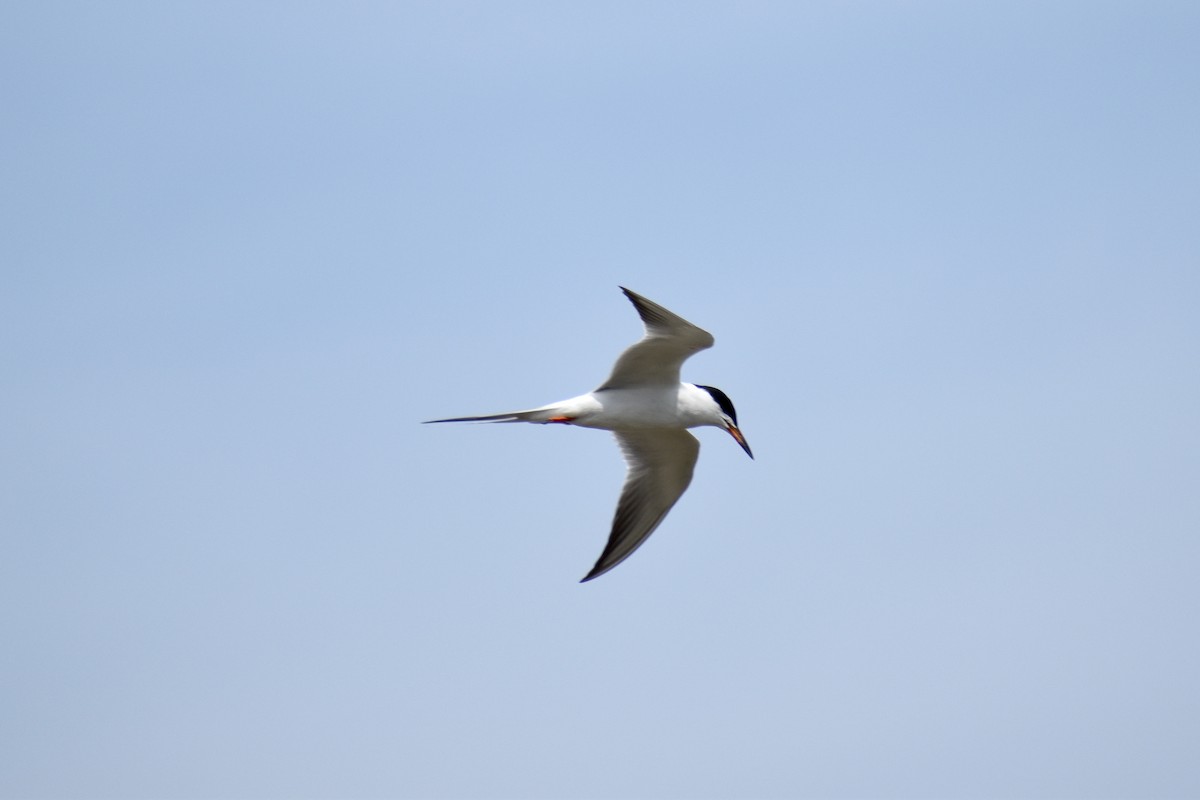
(598, 570)
(591, 576)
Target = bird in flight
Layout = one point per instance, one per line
(649, 410)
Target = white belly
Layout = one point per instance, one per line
(630, 409)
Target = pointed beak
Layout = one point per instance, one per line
(737, 437)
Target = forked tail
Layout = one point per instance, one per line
(533, 415)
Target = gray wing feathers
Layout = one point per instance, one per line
(656, 359)
(660, 468)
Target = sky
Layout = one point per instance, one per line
(951, 259)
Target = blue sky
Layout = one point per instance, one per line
(951, 257)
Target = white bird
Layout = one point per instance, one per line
(649, 410)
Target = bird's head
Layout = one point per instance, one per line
(728, 416)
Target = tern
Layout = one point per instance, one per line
(649, 410)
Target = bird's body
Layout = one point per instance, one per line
(682, 406)
(649, 410)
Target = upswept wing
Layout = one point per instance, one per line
(656, 359)
(660, 469)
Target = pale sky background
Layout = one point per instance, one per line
(951, 256)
